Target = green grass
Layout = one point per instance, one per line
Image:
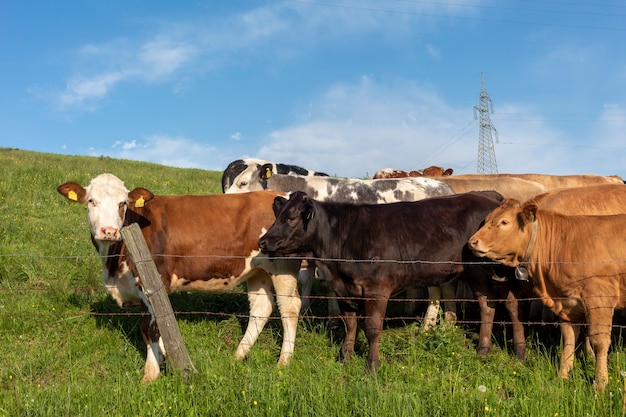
(67, 349)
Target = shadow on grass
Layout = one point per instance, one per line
(188, 307)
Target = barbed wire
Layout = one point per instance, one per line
(84, 313)
(346, 260)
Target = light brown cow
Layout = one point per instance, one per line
(576, 263)
(203, 243)
(509, 187)
(555, 181)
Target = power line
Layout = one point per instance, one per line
(448, 16)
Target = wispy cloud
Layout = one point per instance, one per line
(162, 149)
(212, 41)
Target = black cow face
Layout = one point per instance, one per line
(287, 236)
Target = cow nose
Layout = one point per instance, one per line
(472, 242)
(109, 233)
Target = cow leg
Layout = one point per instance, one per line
(487, 315)
(155, 350)
(289, 304)
(600, 319)
(261, 302)
(306, 279)
(430, 318)
(412, 294)
(519, 340)
(569, 335)
(334, 311)
(374, 316)
(347, 349)
(449, 305)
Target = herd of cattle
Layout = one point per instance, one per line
(504, 236)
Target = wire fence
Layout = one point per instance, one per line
(463, 304)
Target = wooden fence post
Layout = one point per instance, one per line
(153, 287)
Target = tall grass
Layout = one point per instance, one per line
(67, 349)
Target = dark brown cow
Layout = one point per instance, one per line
(199, 243)
(368, 253)
(576, 263)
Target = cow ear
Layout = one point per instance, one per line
(266, 172)
(73, 192)
(509, 202)
(279, 203)
(139, 197)
(308, 212)
(529, 212)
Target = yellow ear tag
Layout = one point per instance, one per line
(140, 202)
(72, 195)
(268, 172)
(531, 218)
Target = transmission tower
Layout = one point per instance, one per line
(486, 152)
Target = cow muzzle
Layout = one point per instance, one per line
(109, 233)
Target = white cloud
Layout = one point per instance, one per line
(160, 58)
(165, 150)
(355, 130)
(210, 42)
(81, 90)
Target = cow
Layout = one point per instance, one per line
(237, 177)
(199, 243)
(554, 181)
(238, 173)
(509, 187)
(361, 191)
(371, 252)
(576, 263)
(431, 171)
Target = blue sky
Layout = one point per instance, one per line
(346, 87)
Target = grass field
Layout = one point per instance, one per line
(68, 350)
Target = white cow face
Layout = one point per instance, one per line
(107, 200)
(248, 179)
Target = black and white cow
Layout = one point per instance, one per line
(238, 174)
(361, 191)
(369, 253)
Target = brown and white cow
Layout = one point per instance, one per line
(199, 243)
(369, 252)
(576, 263)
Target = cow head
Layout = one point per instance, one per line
(506, 233)
(288, 235)
(242, 176)
(107, 201)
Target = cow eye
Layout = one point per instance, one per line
(243, 184)
(92, 202)
(504, 222)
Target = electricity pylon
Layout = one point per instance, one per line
(486, 152)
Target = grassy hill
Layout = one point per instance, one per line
(67, 349)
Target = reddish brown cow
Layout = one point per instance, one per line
(576, 264)
(199, 243)
(431, 171)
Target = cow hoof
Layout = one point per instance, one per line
(482, 351)
(449, 317)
